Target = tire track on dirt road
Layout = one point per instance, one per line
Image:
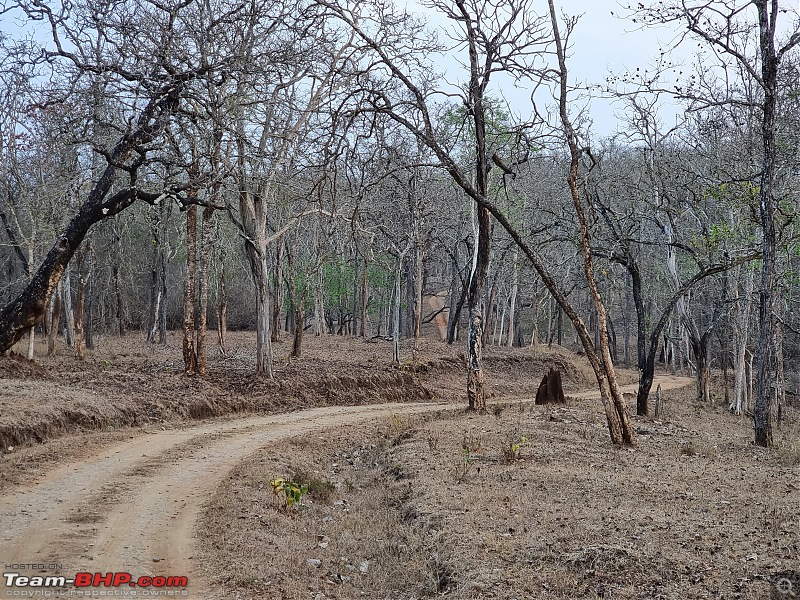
(133, 506)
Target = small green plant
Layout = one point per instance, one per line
(292, 492)
(466, 464)
(511, 449)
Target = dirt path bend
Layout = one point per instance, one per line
(133, 507)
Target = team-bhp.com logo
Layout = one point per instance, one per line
(88, 584)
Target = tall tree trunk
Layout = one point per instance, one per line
(320, 323)
(765, 350)
(418, 292)
(512, 310)
(620, 426)
(80, 303)
(742, 329)
(206, 252)
(54, 316)
(29, 270)
(297, 307)
(188, 345)
(364, 299)
(222, 313)
(476, 392)
(118, 298)
(69, 314)
(260, 269)
(277, 301)
(396, 310)
(356, 286)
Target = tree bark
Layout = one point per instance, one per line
(206, 252)
(222, 313)
(189, 350)
(69, 313)
(54, 317)
(765, 350)
(742, 335)
(277, 301)
(364, 299)
(620, 427)
(512, 310)
(28, 308)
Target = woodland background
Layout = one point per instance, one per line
(293, 166)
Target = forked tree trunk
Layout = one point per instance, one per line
(260, 271)
(619, 423)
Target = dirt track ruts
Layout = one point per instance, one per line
(133, 506)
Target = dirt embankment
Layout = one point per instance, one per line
(128, 383)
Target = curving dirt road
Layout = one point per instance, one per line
(133, 506)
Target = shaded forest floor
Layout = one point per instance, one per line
(525, 502)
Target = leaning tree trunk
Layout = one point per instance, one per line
(22, 313)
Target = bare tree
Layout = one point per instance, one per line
(727, 27)
(139, 47)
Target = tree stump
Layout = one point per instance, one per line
(550, 390)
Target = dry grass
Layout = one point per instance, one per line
(787, 445)
(696, 512)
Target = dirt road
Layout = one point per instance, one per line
(133, 506)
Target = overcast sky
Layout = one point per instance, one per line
(602, 44)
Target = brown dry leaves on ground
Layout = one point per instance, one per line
(442, 507)
(527, 502)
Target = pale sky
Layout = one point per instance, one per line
(601, 44)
